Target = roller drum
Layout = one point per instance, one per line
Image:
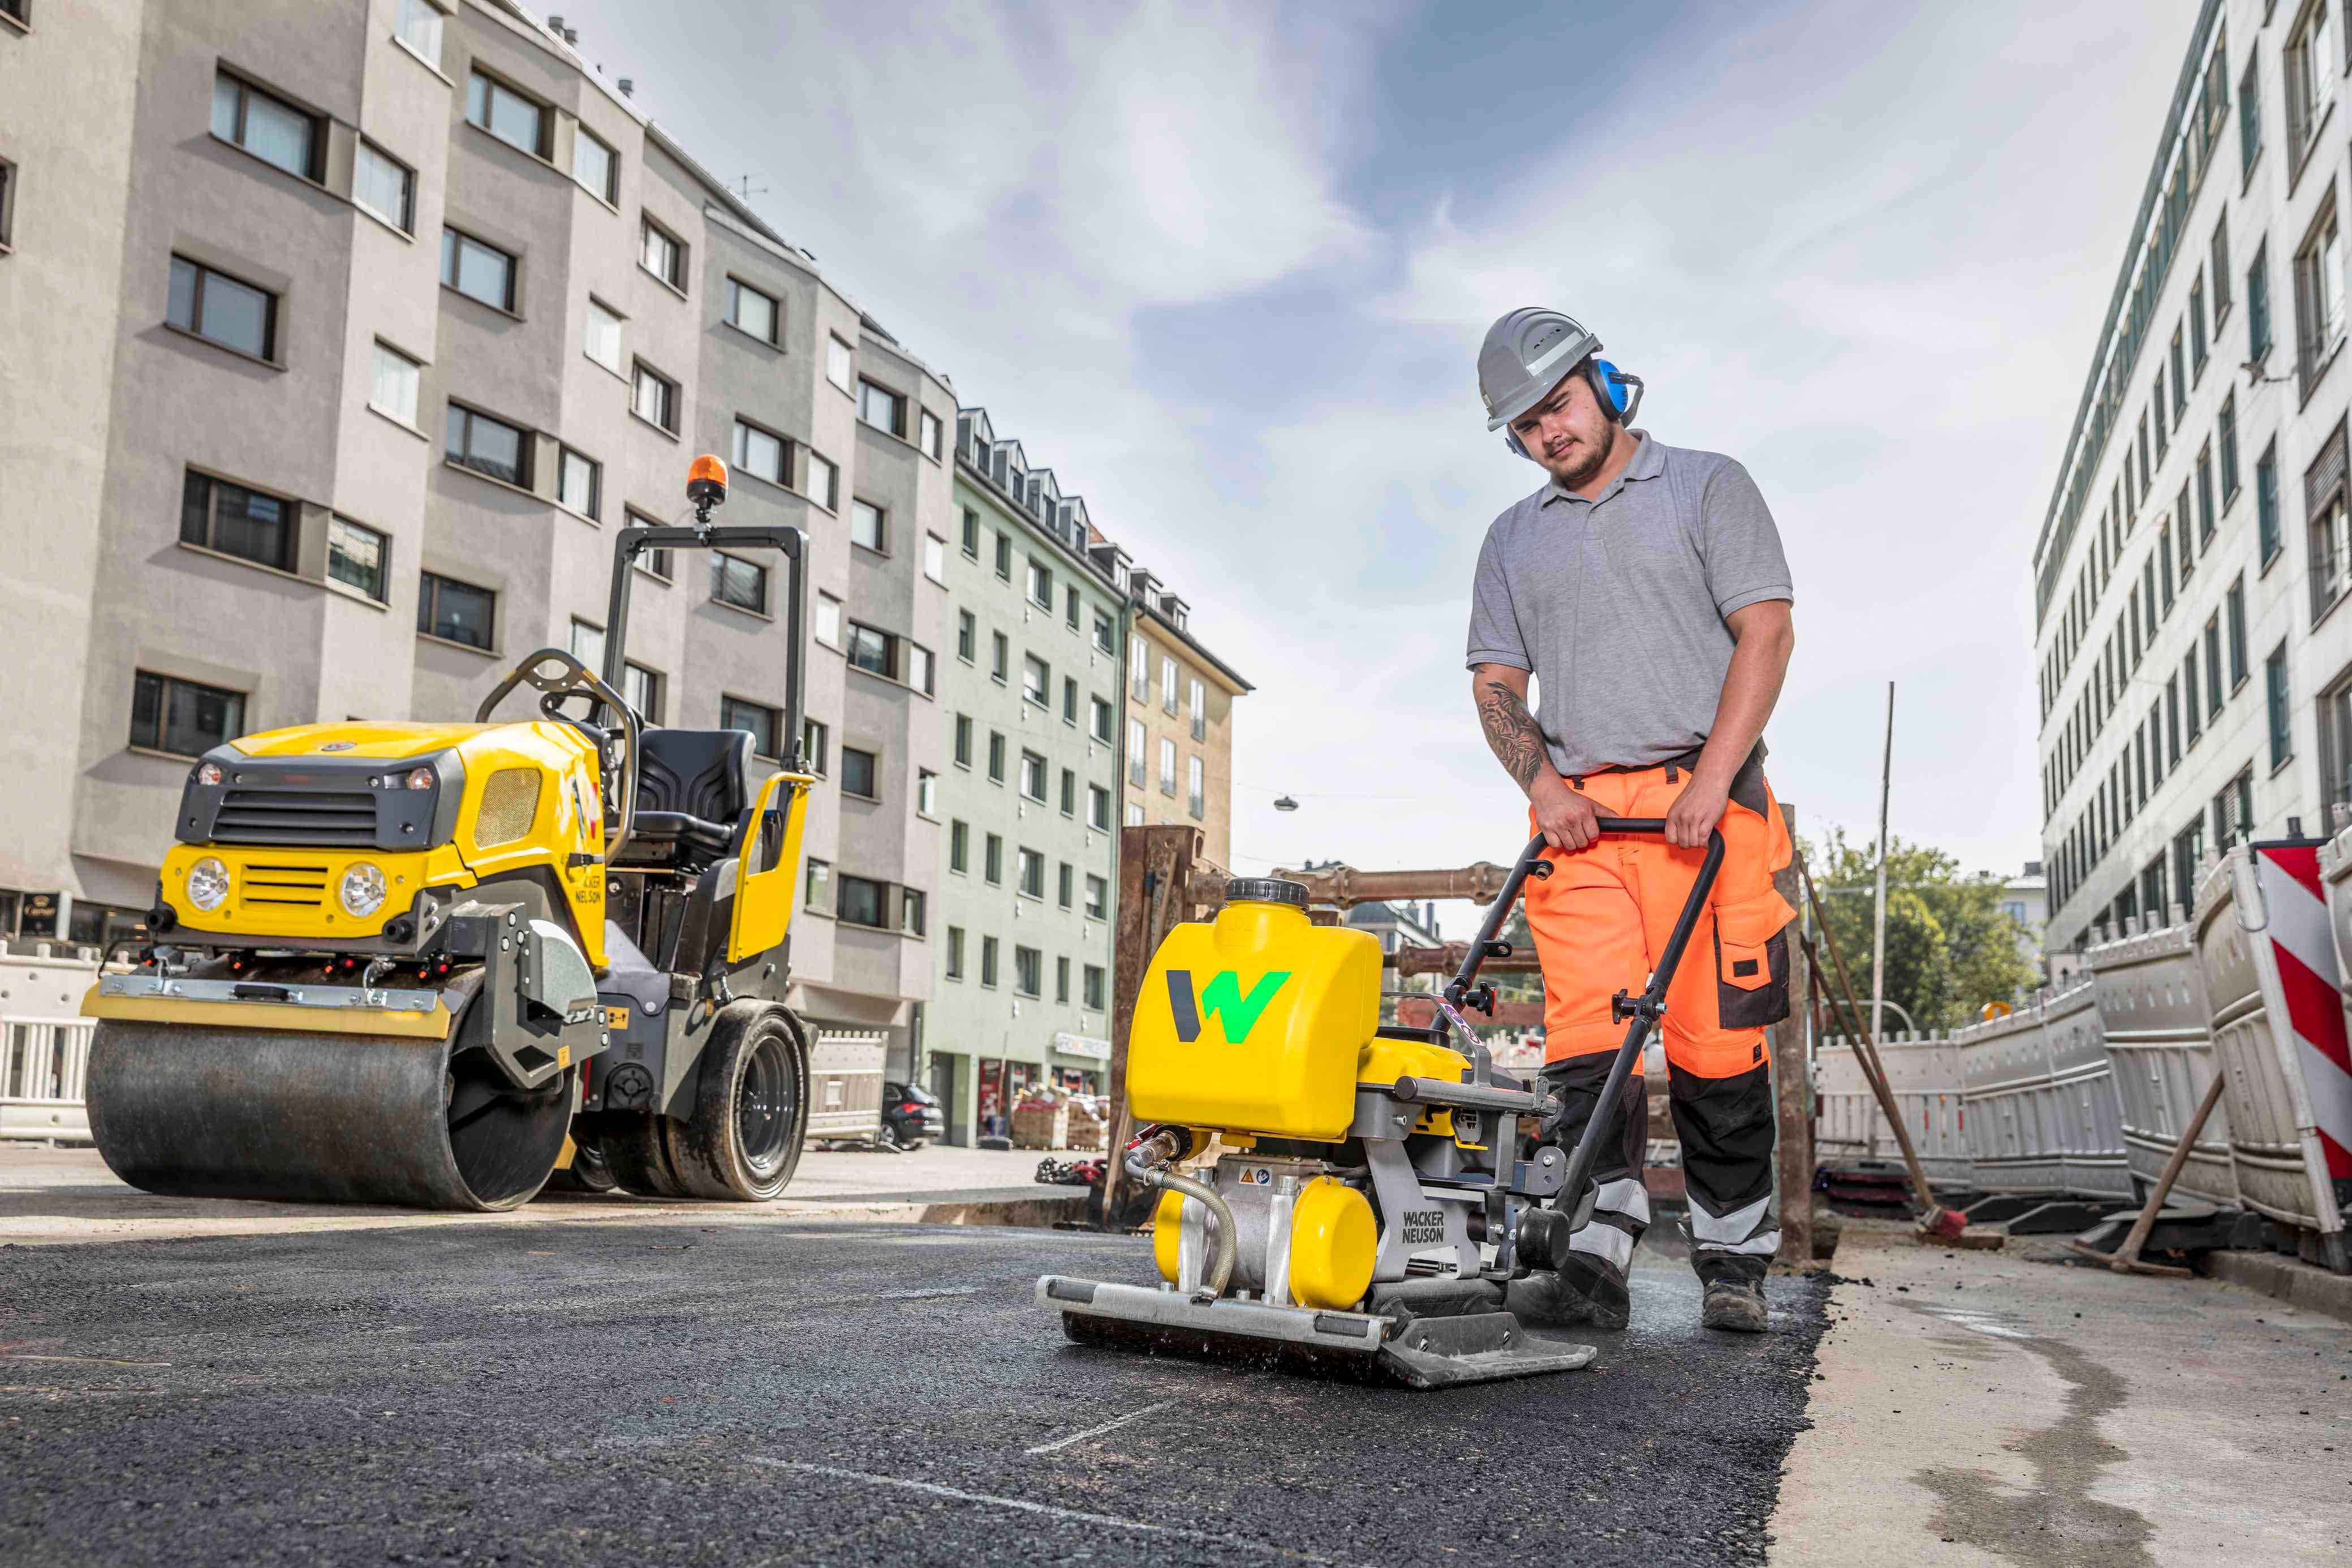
(195, 1111)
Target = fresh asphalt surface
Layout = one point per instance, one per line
(801, 1393)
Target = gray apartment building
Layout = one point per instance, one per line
(338, 340)
(2190, 574)
(1029, 797)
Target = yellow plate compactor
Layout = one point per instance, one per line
(1375, 1189)
(426, 964)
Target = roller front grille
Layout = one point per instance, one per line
(342, 817)
(301, 885)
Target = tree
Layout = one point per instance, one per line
(1950, 947)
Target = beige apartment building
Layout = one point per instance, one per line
(1179, 741)
(353, 346)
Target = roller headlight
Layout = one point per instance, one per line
(207, 884)
(364, 888)
(209, 773)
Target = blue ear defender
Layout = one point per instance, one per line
(1619, 392)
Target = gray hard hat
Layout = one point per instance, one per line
(1527, 353)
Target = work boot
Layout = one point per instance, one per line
(1734, 1298)
(1588, 1289)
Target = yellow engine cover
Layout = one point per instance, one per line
(1333, 1241)
(1254, 1021)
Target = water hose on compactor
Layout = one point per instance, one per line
(1151, 1160)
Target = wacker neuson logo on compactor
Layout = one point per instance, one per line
(1222, 999)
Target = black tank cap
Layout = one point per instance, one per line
(1265, 890)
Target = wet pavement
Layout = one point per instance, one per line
(751, 1393)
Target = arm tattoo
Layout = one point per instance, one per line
(1511, 732)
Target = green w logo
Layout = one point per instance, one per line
(1222, 999)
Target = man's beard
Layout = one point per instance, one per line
(1589, 465)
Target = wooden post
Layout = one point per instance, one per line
(1793, 1090)
(1155, 895)
(2126, 1259)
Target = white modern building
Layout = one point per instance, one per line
(2194, 651)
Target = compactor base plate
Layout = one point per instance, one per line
(1429, 1352)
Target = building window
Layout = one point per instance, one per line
(643, 689)
(2213, 666)
(2274, 690)
(217, 515)
(2324, 506)
(393, 384)
(489, 447)
(2311, 66)
(928, 428)
(1098, 719)
(1135, 814)
(2187, 855)
(1070, 792)
(1032, 873)
(1028, 970)
(1004, 557)
(2258, 305)
(927, 793)
(215, 306)
(765, 725)
(595, 167)
(1167, 766)
(749, 310)
(383, 186)
(991, 863)
(653, 397)
(873, 650)
(2318, 298)
(918, 667)
(517, 121)
(1167, 685)
(1062, 965)
(580, 483)
(7, 190)
(1098, 808)
(866, 526)
(2196, 352)
(1069, 701)
(1103, 632)
(1200, 701)
(1093, 994)
(736, 582)
(828, 620)
(1040, 584)
(910, 911)
(1033, 776)
(967, 636)
(2236, 614)
(971, 533)
(477, 270)
(419, 27)
(935, 558)
(861, 901)
(858, 773)
(996, 756)
(2233, 811)
(1138, 669)
(358, 556)
(1070, 607)
(999, 657)
(588, 644)
(182, 717)
(2179, 380)
(955, 952)
(988, 961)
(814, 739)
(836, 362)
(818, 895)
(1136, 761)
(2204, 497)
(1098, 897)
(1196, 789)
(763, 454)
(662, 253)
(2228, 437)
(455, 612)
(2266, 511)
(1036, 681)
(959, 846)
(600, 339)
(2193, 709)
(2249, 115)
(963, 740)
(269, 128)
(883, 409)
(824, 483)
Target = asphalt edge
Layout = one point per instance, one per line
(2289, 1279)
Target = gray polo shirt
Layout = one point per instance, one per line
(1618, 605)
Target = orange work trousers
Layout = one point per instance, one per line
(1601, 918)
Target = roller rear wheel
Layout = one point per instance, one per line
(750, 1111)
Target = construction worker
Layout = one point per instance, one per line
(1644, 589)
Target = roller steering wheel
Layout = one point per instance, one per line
(556, 676)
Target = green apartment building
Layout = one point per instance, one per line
(1030, 689)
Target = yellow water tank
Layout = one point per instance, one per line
(1254, 1021)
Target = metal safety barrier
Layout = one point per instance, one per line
(44, 1046)
(846, 1084)
(1922, 1070)
(2158, 1031)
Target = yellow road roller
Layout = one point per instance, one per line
(427, 963)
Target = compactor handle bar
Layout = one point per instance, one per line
(555, 675)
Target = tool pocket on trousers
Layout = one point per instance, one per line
(1752, 961)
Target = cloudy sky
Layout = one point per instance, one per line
(1224, 268)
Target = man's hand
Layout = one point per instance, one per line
(1566, 818)
(1695, 813)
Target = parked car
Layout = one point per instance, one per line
(910, 1115)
